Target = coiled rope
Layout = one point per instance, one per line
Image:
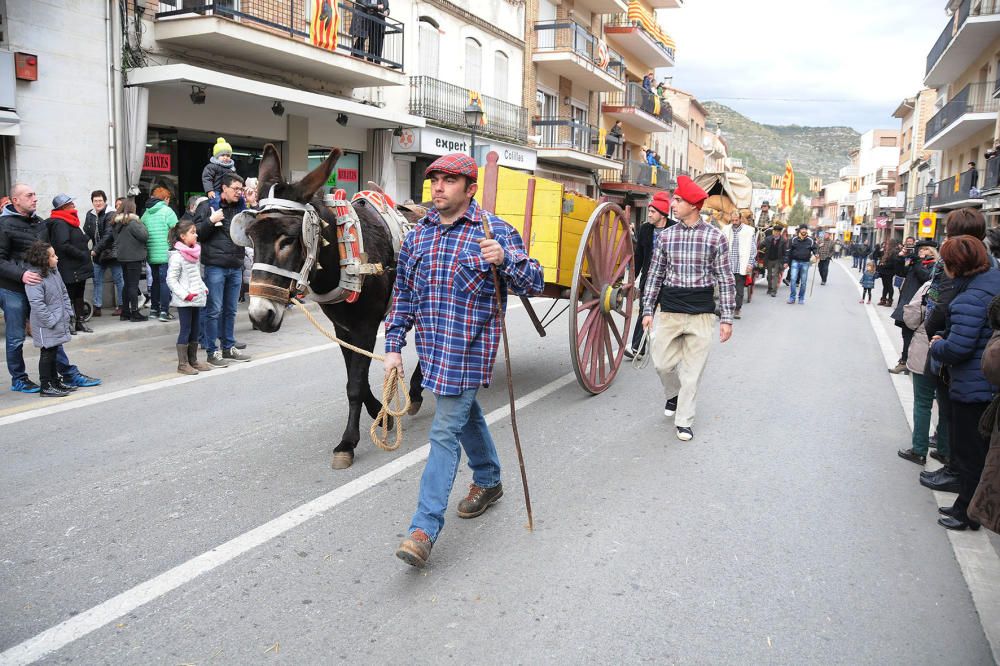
(394, 390)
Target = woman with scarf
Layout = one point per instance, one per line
(73, 250)
(885, 256)
(918, 271)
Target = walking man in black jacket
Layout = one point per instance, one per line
(659, 219)
(774, 248)
(95, 226)
(223, 260)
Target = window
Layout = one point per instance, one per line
(427, 47)
(473, 64)
(500, 63)
(547, 108)
(581, 136)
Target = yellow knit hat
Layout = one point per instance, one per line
(221, 148)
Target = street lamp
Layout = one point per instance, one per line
(473, 119)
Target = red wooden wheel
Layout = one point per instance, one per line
(602, 298)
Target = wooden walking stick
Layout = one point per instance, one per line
(489, 198)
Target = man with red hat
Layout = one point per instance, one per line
(647, 239)
(444, 288)
(691, 259)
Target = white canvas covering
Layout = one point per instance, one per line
(726, 191)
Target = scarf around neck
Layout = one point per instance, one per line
(191, 254)
(70, 217)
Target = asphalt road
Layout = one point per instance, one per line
(786, 532)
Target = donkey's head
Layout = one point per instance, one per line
(285, 234)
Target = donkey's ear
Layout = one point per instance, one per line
(308, 186)
(269, 171)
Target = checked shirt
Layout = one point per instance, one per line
(691, 257)
(444, 289)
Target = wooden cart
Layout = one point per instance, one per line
(585, 247)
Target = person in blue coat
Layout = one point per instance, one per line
(960, 351)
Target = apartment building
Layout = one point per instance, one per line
(689, 110)
(253, 72)
(646, 116)
(460, 58)
(877, 205)
(716, 150)
(915, 162)
(964, 67)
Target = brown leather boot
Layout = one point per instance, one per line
(415, 549)
(478, 500)
(183, 366)
(192, 356)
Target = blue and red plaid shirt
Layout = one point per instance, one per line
(444, 288)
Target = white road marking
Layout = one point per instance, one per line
(94, 618)
(976, 556)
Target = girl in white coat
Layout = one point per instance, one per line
(188, 294)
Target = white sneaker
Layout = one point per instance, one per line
(684, 434)
(671, 407)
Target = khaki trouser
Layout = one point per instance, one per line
(680, 349)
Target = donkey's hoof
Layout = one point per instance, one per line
(342, 459)
(414, 407)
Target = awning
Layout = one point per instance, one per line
(10, 123)
(183, 76)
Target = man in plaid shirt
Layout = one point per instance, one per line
(692, 258)
(444, 288)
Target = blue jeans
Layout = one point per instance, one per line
(116, 275)
(799, 274)
(219, 320)
(159, 294)
(15, 313)
(458, 423)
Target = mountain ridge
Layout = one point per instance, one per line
(814, 151)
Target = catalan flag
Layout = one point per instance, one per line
(323, 23)
(788, 186)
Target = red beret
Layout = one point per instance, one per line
(457, 164)
(690, 192)
(661, 202)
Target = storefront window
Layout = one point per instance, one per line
(346, 175)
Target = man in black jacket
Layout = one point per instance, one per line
(95, 227)
(774, 248)
(223, 260)
(19, 228)
(659, 219)
(801, 251)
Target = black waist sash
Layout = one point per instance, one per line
(687, 300)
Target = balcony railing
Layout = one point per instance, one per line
(647, 27)
(996, 88)
(917, 204)
(568, 35)
(566, 133)
(640, 173)
(885, 174)
(637, 97)
(946, 191)
(384, 36)
(445, 103)
(955, 23)
(991, 177)
(973, 98)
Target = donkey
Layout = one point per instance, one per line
(278, 242)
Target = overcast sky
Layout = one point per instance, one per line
(862, 57)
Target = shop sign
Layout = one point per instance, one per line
(156, 162)
(436, 141)
(881, 222)
(857, 229)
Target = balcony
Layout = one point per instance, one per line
(954, 192)
(991, 177)
(572, 143)
(666, 4)
(917, 204)
(817, 202)
(639, 108)
(849, 199)
(848, 172)
(885, 176)
(712, 146)
(275, 34)
(444, 104)
(969, 112)
(570, 50)
(889, 203)
(602, 6)
(635, 173)
(637, 33)
(974, 25)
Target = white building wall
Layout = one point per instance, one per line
(452, 33)
(64, 145)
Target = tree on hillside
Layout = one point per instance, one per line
(798, 215)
